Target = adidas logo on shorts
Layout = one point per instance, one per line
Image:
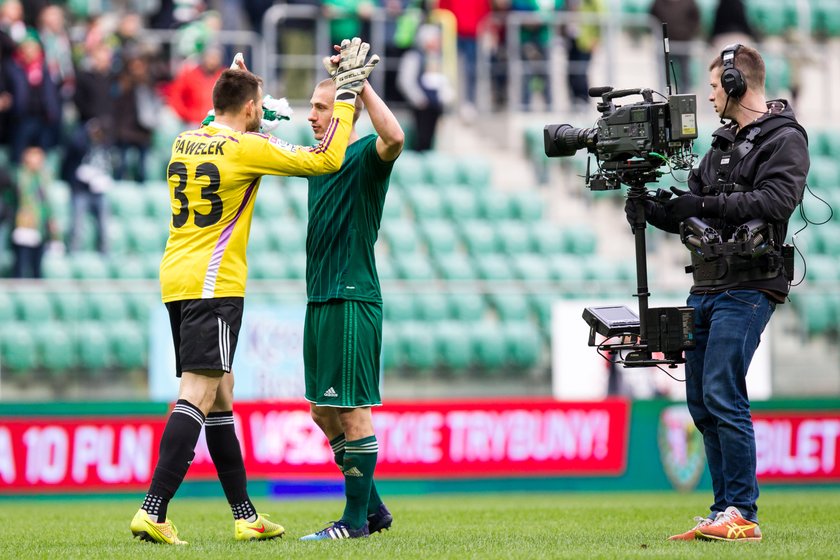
(353, 471)
(330, 393)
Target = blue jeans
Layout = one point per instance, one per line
(729, 326)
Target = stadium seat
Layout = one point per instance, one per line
(541, 304)
(453, 346)
(69, 306)
(826, 18)
(531, 266)
(828, 236)
(92, 346)
(466, 307)
(431, 306)
(547, 238)
(817, 312)
(17, 346)
(391, 356)
(488, 346)
(455, 266)
(494, 267)
(90, 266)
(415, 266)
(147, 235)
(55, 347)
(129, 267)
(475, 172)
(527, 206)
(271, 201)
(141, 304)
(460, 204)
(822, 269)
(580, 240)
(157, 201)
(478, 236)
(408, 169)
(107, 307)
(260, 239)
(440, 236)
(512, 237)
(7, 307)
(496, 206)
(417, 345)
(58, 267)
(128, 345)
(297, 195)
(401, 237)
(123, 200)
(425, 202)
(394, 208)
(295, 266)
(33, 307)
(399, 308)
(385, 268)
(116, 236)
(824, 173)
(440, 168)
(510, 306)
(771, 17)
(288, 235)
(267, 268)
(568, 268)
(522, 343)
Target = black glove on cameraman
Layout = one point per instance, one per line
(654, 211)
(689, 205)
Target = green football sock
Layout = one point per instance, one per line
(359, 464)
(337, 446)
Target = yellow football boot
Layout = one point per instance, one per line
(143, 528)
(260, 530)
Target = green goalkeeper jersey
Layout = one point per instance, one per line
(345, 210)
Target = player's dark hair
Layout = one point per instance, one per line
(234, 89)
(749, 62)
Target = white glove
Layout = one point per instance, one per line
(237, 58)
(274, 111)
(351, 71)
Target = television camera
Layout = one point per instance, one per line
(630, 144)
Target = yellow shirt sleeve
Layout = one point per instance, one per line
(276, 157)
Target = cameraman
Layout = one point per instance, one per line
(755, 170)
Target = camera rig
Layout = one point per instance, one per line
(630, 144)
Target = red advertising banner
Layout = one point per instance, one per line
(442, 439)
(797, 446)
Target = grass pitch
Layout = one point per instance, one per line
(796, 524)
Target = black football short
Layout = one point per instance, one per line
(205, 332)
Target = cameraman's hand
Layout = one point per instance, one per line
(684, 205)
(650, 206)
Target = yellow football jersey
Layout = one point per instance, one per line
(213, 175)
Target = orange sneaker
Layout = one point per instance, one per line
(729, 525)
(689, 535)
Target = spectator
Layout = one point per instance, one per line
(298, 39)
(581, 40)
(424, 85)
(58, 53)
(96, 86)
(86, 167)
(190, 94)
(534, 46)
(34, 222)
(731, 25)
(35, 108)
(139, 107)
(683, 19)
(348, 18)
(469, 15)
(8, 203)
(12, 27)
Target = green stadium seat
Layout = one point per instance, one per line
(460, 204)
(530, 266)
(568, 268)
(828, 236)
(414, 266)
(90, 266)
(17, 347)
(401, 237)
(141, 304)
(157, 201)
(454, 349)
(824, 173)
(55, 347)
(123, 200)
(394, 208)
(107, 307)
(33, 307)
(147, 235)
(295, 266)
(399, 308)
(822, 269)
(116, 236)
(408, 169)
(440, 236)
(431, 306)
(69, 306)
(494, 267)
(128, 345)
(417, 345)
(455, 266)
(391, 356)
(527, 206)
(425, 202)
(440, 168)
(541, 304)
(129, 267)
(777, 78)
(547, 238)
(478, 236)
(512, 237)
(475, 172)
(288, 236)
(57, 267)
(828, 141)
(467, 307)
(7, 307)
(825, 17)
(496, 206)
(260, 239)
(771, 17)
(510, 306)
(522, 343)
(488, 346)
(91, 340)
(580, 240)
(271, 203)
(636, 6)
(385, 268)
(817, 312)
(297, 195)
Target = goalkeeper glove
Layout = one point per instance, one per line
(351, 71)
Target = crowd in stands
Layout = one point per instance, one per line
(82, 94)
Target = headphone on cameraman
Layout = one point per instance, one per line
(731, 79)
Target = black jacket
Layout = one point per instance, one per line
(775, 170)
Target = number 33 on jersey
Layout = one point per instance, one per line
(214, 174)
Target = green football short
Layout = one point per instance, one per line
(342, 342)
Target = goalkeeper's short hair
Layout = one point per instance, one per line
(234, 89)
(360, 105)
